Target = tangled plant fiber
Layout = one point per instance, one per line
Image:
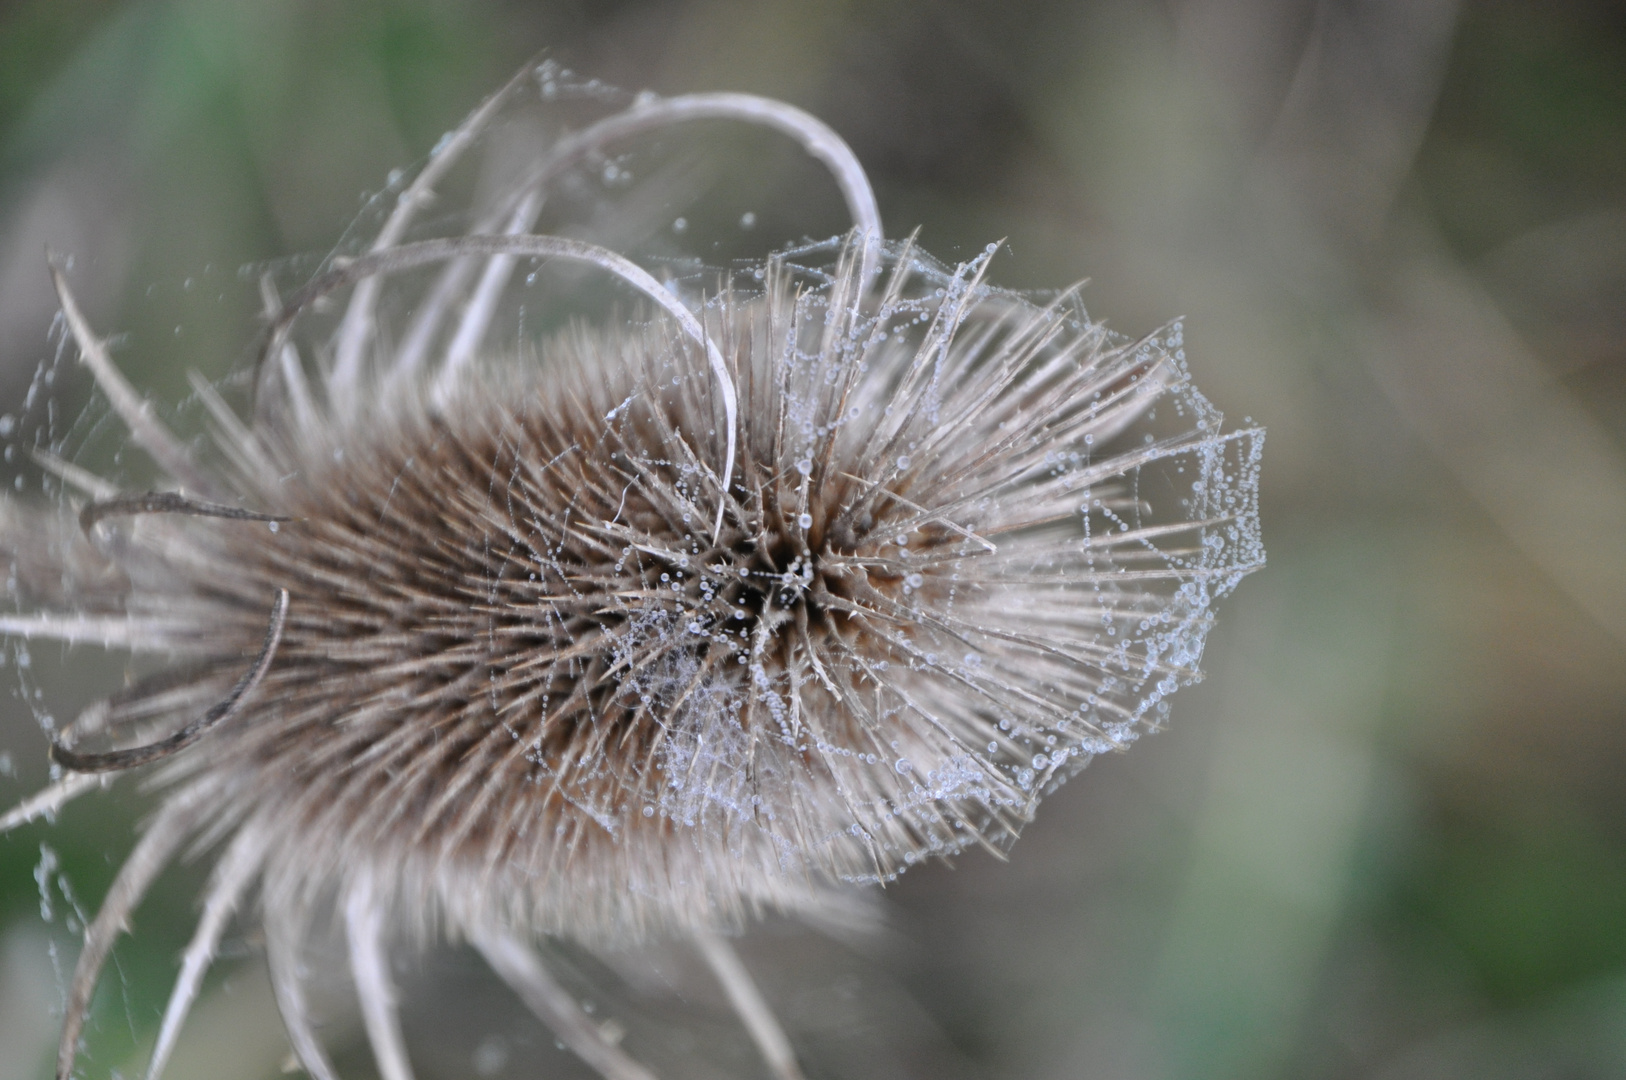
(681, 622)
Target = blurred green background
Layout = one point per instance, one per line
(1386, 838)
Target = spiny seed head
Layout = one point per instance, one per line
(673, 622)
(521, 679)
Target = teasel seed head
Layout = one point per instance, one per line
(682, 620)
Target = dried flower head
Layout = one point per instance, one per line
(677, 622)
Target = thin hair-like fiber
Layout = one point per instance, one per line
(818, 570)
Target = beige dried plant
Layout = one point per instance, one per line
(722, 611)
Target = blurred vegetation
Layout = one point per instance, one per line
(1387, 838)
